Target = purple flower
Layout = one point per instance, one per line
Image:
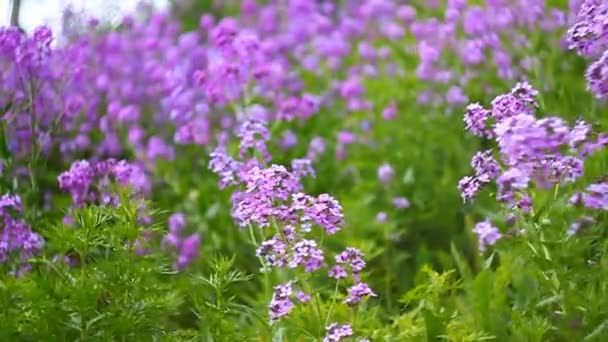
(357, 293)
(189, 251)
(455, 96)
(303, 297)
(353, 258)
(595, 197)
(302, 168)
(401, 203)
(254, 134)
(224, 166)
(177, 222)
(281, 303)
(381, 217)
(487, 235)
(579, 225)
(316, 148)
(525, 203)
(336, 332)
(18, 243)
(274, 252)
(338, 272)
(326, 212)
(307, 254)
(486, 167)
(469, 187)
(385, 173)
(390, 111)
(476, 120)
(597, 77)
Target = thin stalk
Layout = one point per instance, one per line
(262, 263)
(333, 302)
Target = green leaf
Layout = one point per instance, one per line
(461, 264)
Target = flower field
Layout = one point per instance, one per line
(308, 170)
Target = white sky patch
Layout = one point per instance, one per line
(48, 12)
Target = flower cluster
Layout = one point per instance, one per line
(18, 243)
(589, 37)
(543, 151)
(595, 197)
(92, 182)
(272, 199)
(337, 332)
(538, 153)
(187, 248)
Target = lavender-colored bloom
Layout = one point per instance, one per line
(511, 180)
(353, 258)
(469, 187)
(189, 251)
(390, 111)
(254, 134)
(487, 234)
(525, 203)
(508, 105)
(357, 293)
(579, 134)
(274, 252)
(303, 297)
(486, 167)
(595, 197)
(18, 243)
(381, 217)
(597, 77)
(302, 168)
(281, 303)
(401, 203)
(385, 173)
(288, 140)
(455, 96)
(224, 166)
(346, 138)
(588, 36)
(336, 332)
(338, 272)
(274, 182)
(326, 212)
(476, 120)
(77, 181)
(579, 225)
(307, 254)
(316, 148)
(177, 222)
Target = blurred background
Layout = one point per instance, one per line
(28, 14)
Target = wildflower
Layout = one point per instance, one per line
(337, 272)
(390, 111)
(281, 303)
(177, 222)
(381, 217)
(401, 203)
(385, 173)
(476, 120)
(357, 293)
(189, 251)
(487, 235)
(469, 187)
(486, 167)
(274, 252)
(307, 254)
(303, 297)
(336, 332)
(302, 168)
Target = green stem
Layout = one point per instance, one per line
(262, 263)
(333, 302)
